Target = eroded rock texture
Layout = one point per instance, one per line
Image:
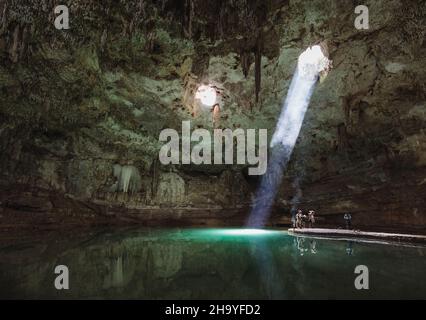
(75, 103)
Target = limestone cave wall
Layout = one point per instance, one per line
(77, 104)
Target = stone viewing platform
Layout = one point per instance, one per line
(343, 233)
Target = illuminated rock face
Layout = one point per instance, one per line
(74, 106)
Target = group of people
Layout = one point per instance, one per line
(301, 219)
(300, 244)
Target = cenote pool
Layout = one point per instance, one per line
(209, 264)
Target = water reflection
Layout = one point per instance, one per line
(209, 263)
(349, 248)
(115, 278)
(305, 245)
(313, 246)
(269, 273)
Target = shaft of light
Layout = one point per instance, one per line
(311, 62)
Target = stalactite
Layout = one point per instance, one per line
(346, 102)
(141, 9)
(221, 21)
(128, 179)
(188, 17)
(191, 16)
(245, 58)
(216, 116)
(190, 85)
(150, 42)
(104, 39)
(131, 28)
(342, 135)
(15, 45)
(23, 46)
(258, 66)
(163, 5)
(3, 20)
(155, 169)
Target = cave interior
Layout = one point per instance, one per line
(81, 111)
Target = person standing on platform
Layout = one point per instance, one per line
(311, 218)
(348, 220)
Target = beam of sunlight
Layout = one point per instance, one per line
(310, 64)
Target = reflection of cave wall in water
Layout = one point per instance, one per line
(73, 107)
(176, 264)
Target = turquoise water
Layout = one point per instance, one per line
(209, 264)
